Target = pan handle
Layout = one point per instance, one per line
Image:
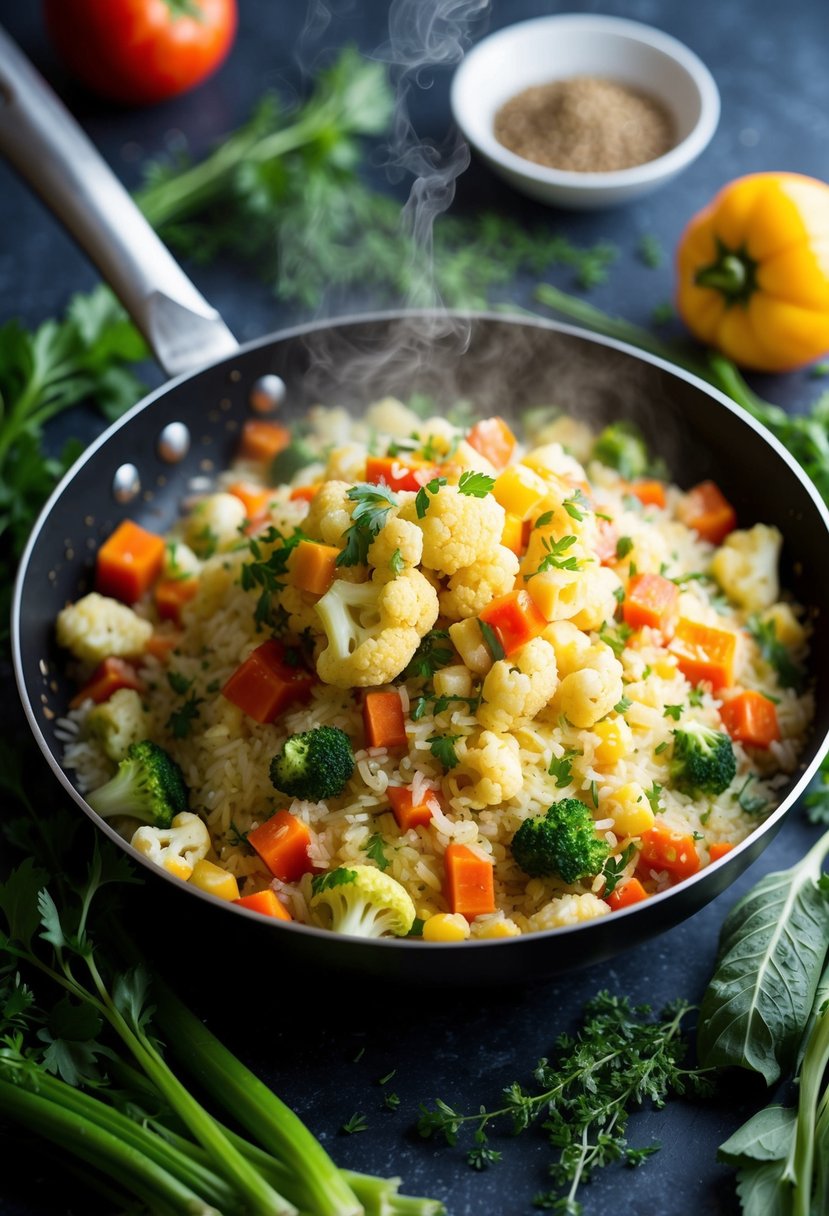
(48, 148)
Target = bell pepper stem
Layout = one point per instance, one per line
(729, 274)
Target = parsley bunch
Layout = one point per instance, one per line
(620, 1059)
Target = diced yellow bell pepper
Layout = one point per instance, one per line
(614, 740)
(214, 880)
(446, 927)
(631, 811)
(518, 489)
(513, 535)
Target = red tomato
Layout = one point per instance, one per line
(141, 51)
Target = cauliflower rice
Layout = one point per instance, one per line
(585, 709)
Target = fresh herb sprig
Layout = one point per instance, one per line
(630, 1059)
(371, 510)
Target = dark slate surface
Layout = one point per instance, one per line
(303, 1037)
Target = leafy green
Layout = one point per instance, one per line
(562, 769)
(620, 1059)
(615, 867)
(267, 568)
(789, 673)
(376, 852)
(422, 499)
(476, 485)
(555, 556)
(771, 954)
(435, 651)
(492, 641)
(371, 510)
(442, 748)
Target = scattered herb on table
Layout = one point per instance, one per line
(620, 1059)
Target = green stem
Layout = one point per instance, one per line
(730, 275)
(101, 1149)
(174, 1159)
(261, 1197)
(800, 1166)
(254, 1106)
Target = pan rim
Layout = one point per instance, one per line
(769, 825)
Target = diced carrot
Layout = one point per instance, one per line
(312, 567)
(254, 499)
(470, 885)
(161, 644)
(664, 849)
(405, 812)
(704, 653)
(650, 600)
(262, 440)
(708, 512)
(107, 678)
(649, 493)
(265, 684)
(494, 440)
(304, 493)
(719, 849)
(626, 894)
(512, 536)
(398, 474)
(751, 718)
(383, 720)
(515, 619)
(266, 903)
(129, 562)
(171, 594)
(282, 843)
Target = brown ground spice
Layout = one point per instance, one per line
(586, 124)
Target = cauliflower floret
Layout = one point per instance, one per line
(587, 694)
(552, 458)
(176, 848)
(373, 629)
(745, 566)
(119, 722)
(458, 529)
(572, 435)
(346, 463)
(213, 526)
(329, 513)
(570, 644)
(97, 626)
(599, 602)
(301, 609)
(518, 687)
(362, 901)
(180, 560)
(397, 536)
(392, 417)
(492, 767)
(568, 910)
(472, 587)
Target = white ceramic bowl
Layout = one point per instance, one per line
(553, 48)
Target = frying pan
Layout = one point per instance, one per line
(184, 432)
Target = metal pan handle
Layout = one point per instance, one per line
(48, 148)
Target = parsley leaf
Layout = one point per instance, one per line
(614, 868)
(562, 768)
(554, 558)
(179, 683)
(623, 546)
(396, 563)
(616, 639)
(576, 505)
(492, 641)
(181, 720)
(371, 510)
(434, 651)
(374, 850)
(789, 673)
(422, 499)
(673, 711)
(478, 485)
(331, 878)
(267, 570)
(442, 748)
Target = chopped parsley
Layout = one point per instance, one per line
(576, 505)
(477, 485)
(422, 499)
(624, 545)
(653, 797)
(492, 641)
(789, 673)
(616, 639)
(179, 683)
(673, 711)
(752, 804)
(268, 572)
(332, 878)
(371, 510)
(434, 651)
(396, 563)
(391, 1100)
(622, 705)
(442, 748)
(562, 768)
(614, 868)
(374, 850)
(181, 720)
(544, 519)
(554, 558)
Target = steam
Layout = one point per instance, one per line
(424, 35)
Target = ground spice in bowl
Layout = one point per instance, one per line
(585, 124)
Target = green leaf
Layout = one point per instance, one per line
(478, 485)
(766, 1136)
(74, 1020)
(332, 878)
(442, 748)
(50, 920)
(772, 952)
(492, 641)
(374, 850)
(763, 1190)
(19, 901)
(129, 995)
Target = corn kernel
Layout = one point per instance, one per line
(631, 812)
(614, 740)
(446, 927)
(453, 681)
(665, 669)
(214, 880)
(512, 536)
(178, 867)
(499, 928)
(518, 489)
(469, 642)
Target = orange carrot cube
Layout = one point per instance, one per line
(129, 562)
(704, 653)
(107, 678)
(312, 566)
(650, 600)
(751, 718)
(470, 883)
(265, 685)
(405, 812)
(494, 440)
(626, 894)
(262, 441)
(266, 903)
(282, 842)
(383, 720)
(171, 594)
(708, 512)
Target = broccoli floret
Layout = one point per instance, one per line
(621, 446)
(703, 760)
(148, 785)
(563, 841)
(363, 902)
(315, 765)
(287, 463)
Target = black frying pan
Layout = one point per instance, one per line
(145, 464)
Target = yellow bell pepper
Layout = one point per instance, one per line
(753, 269)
